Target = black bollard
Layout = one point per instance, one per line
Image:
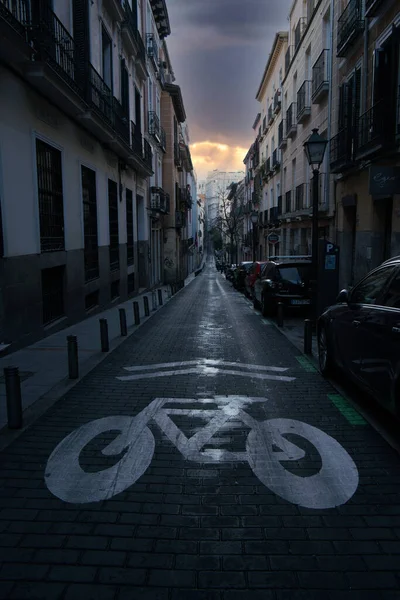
(136, 313)
(308, 336)
(105, 346)
(13, 395)
(146, 306)
(279, 316)
(122, 322)
(73, 362)
(160, 300)
(154, 300)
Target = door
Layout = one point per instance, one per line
(356, 324)
(381, 358)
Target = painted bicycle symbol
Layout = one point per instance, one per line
(267, 447)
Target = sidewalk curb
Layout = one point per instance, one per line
(47, 400)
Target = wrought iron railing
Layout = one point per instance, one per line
(320, 73)
(298, 32)
(282, 132)
(270, 114)
(276, 159)
(100, 96)
(371, 127)
(350, 23)
(290, 122)
(341, 150)
(17, 13)
(154, 124)
(277, 101)
(147, 154)
(136, 140)
(130, 19)
(120, 120)
(303, 100)
(152, 48)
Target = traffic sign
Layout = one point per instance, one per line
(273, 238)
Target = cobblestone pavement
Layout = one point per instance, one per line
(260, 483)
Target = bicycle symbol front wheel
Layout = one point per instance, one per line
(333, 485)
(66, 479)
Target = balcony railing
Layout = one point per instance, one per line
(350, 25)
(298, 32)
(270, 115)
(277, 101)
(320, 78)
(341, 156)
(301, 197)
(291, 125)
(276, 160)
(304, 101)
(288, 201)
(152, 48)
(100, 95)
(371, 130)
(147, 154)
(159, 200)
(282, 139)
(154, 125)
(120, 120)
(17, 13)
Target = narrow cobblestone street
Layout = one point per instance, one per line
(243, 475)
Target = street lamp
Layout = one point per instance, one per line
(315, 148)
(254, 220)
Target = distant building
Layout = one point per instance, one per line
(216, 186)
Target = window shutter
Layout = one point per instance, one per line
(81, 38)
(124, 88)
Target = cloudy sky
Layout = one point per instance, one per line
(218, 50)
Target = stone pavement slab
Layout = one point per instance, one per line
(200, 459)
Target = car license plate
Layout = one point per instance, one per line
(300, 301)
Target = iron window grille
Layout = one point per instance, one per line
(50, 195)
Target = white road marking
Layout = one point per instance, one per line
(205, 361)
(210, 371)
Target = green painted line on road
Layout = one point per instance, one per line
(306, 364)
(349, 413)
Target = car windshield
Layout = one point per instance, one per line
(294, 274)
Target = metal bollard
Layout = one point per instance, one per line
(73, 363)
(146, 305)
(105, 346)
(308, 336)
(122, 322)
(136, 313)
(154, 300)
(13, 395)
(160, 300)
(279, 316)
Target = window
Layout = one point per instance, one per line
(92, 300)
(124, 88)
(52, 294)
(50, 195)
(371, 289)
(91, 251)
(114, 289)
(129, 226)
(392, 296)
(113, 224)
(106, 57)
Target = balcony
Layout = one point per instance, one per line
(276, 160)
(141, 156)
(291, 125)
(133, 40)
(288, 202)
(264, 124)
(320, 78)
(277, 102)
(350, 26)
(341, 155)
(270, 115)
(154, 127)
(373, 132)
(304, 102)
(282, 139)
(299, 31)
(14, 18)
(152, 49)
(159, 200)
(372, 7)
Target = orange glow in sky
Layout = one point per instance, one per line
(207, 156)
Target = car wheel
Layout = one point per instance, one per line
(326, 364)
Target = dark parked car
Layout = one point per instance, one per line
(251, 277)
(361, 334)
(240, 274)
(230, 272)
(286, 281)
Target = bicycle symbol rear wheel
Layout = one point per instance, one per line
(66, 479)
(333, 485)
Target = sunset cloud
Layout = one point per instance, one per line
(207, 156)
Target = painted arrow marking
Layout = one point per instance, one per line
(207, 367)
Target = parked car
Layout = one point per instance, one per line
(250, 279)
(240, 274)
(286, 281)
(361, 334)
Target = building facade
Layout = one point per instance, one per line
(364, 149)
(216, 187)
(80, 95)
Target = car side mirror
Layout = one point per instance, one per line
(343, 297)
